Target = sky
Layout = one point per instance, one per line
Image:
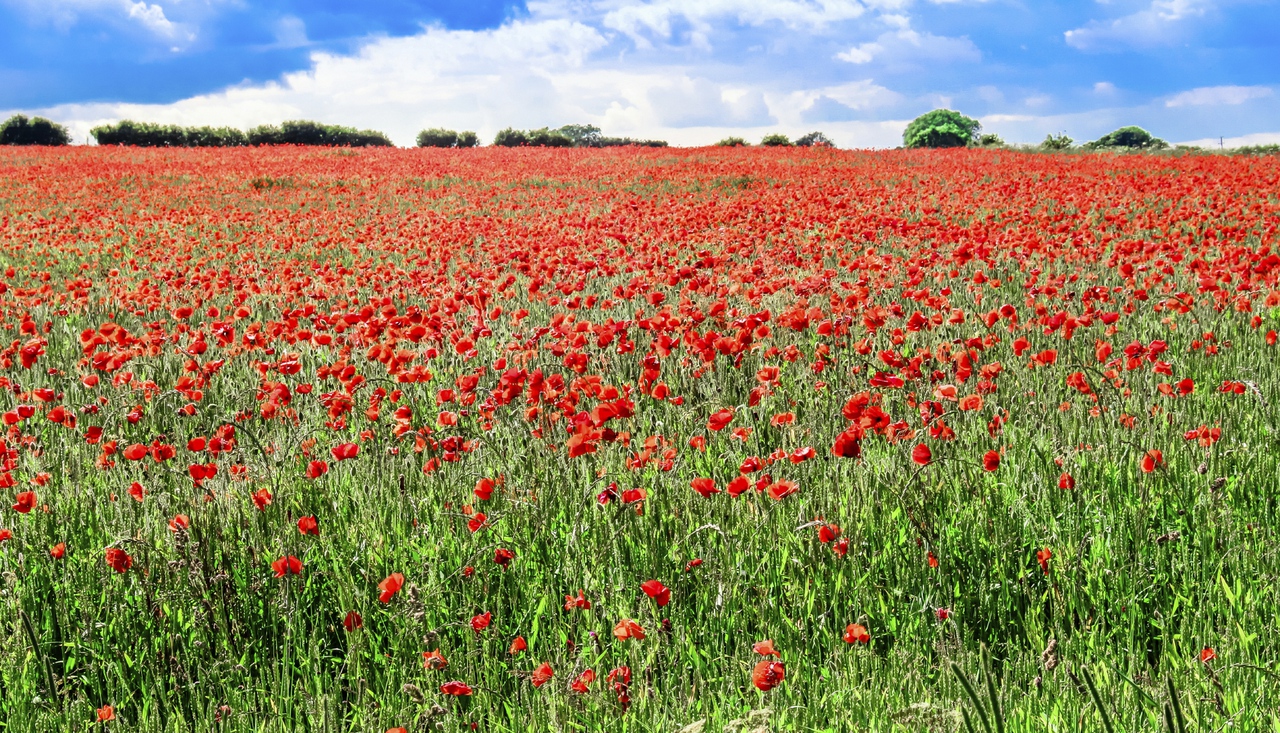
(686, 71)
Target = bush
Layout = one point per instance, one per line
(1271, 149)
(732, 142)
(1057, 142)
(989, 141)
(776, 140)
(544, 138)
(618, 142)
(1132, 137)
(437, 137)
(583, 136)
(468, 139)
(140, 134)
(510, 138)
(941, 128)
(215, 137)
(814, 139)
(305, 132)
(18, 130)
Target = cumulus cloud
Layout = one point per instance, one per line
(1164, 22)
(149, 16)
(906, 46)
(656, 17)
(1217, 96)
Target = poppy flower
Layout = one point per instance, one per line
(737, 486)
(316, 469)
(1152, 460)
(768, 675)
(24, 502)
(118, 559)
(1066, 482)
(765, 648)
(345, 451)
(942, 614)
(309, 525)
(5, 535)
(720, 419)
(481, 621)
(704, 486)
(136, 491)
(856, 634)
(921, 454)
(657, 591)
(932, 559)
(581, 683)
(628, 629)
(106, 714)
(695, 562)
(542, 675)
(262, 499)
(1043, 556)
(390, 586)
(571, 603)
(58, 551)
(180, 521)
(352, 621)
(1207, 655)
(503, 556)
(518, 645)
(990, 460)
(397, 730)
(847, 445)
(456, 689)
(135, 452)
(483, 489)
(476, 522)
(287, 565)
(434, 660)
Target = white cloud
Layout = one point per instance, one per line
(1218, 96)
(65, 13)
(1260, 138)
(1162, 23)
(1104, 88)
(657, 16)
(906, 46)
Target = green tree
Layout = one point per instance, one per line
(989, 141)
(941, 128)
(437, 137)
(814, 139)
(510, 138)
(732, 142)
(468, 139)
(583, 136)
(1128, 137)
(776, 140)
(19, 130)
(544, 138)
(1057, 142)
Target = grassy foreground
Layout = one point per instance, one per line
(280, 424)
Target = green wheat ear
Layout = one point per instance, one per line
(1174, 708)
(973, 698)
(1097, 700)
(996, 711)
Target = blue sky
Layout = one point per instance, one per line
(689, 71)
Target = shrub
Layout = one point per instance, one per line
(732, 142)
(989, 141)
(1057, 142)
(814, 139)
(941, 128)
(306, 132)
(583, 136)
(140, 134)
(215, 137)
(544, 138)
(617, 142)
(1127, 137)
(776, 140)
(437, 137)
(19, 130)
(468, 139)
(510, 138)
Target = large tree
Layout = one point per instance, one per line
(941, 128)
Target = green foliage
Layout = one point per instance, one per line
(776, 140)
(19, 130)
(991, 140)
(510, 138)
(583, 136)
(941, 128)
(1257, 150)
(1057, 142)
(468, 139)
(1132, 137)
(306, 132)
(732, 142)
(814, 139)
(437, 137)
(140, 134)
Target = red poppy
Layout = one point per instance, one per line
(1043, 556)
(481, 621)
(765, 648)
(942, 614)
(571, 603)
(737, 486)
(768, 675)
(5, 535)
(106, 714)
(518, 645)
(58, 551)
(856, 634)
(345, 451)
(483, 489)
(782, 489)
(1066, 482)
(180, 521)
(136, 491)
(287, 565)
(316, 469)
(390, 586)
(720, 419)
(1208, 655)
(990, 460)
(118, 559)
(434, 660)
(628, 629)
(582, 682)
(921, 454)
(24, 502)
(476, 522)
(1152, 460)
(542, 675)
(135, 452)
(262, 499)
(456, 689)
(309, 525)
(503, 556)
(704, 486)
(695, 562)
(352, 621)
(657, 591)
(847, 445)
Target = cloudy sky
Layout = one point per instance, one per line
(688, 71)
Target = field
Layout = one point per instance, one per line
(638, 440)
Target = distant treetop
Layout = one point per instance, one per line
(19, 130)
(941, 128)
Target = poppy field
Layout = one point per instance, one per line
(638, 440)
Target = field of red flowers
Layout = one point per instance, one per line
(713, 439)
